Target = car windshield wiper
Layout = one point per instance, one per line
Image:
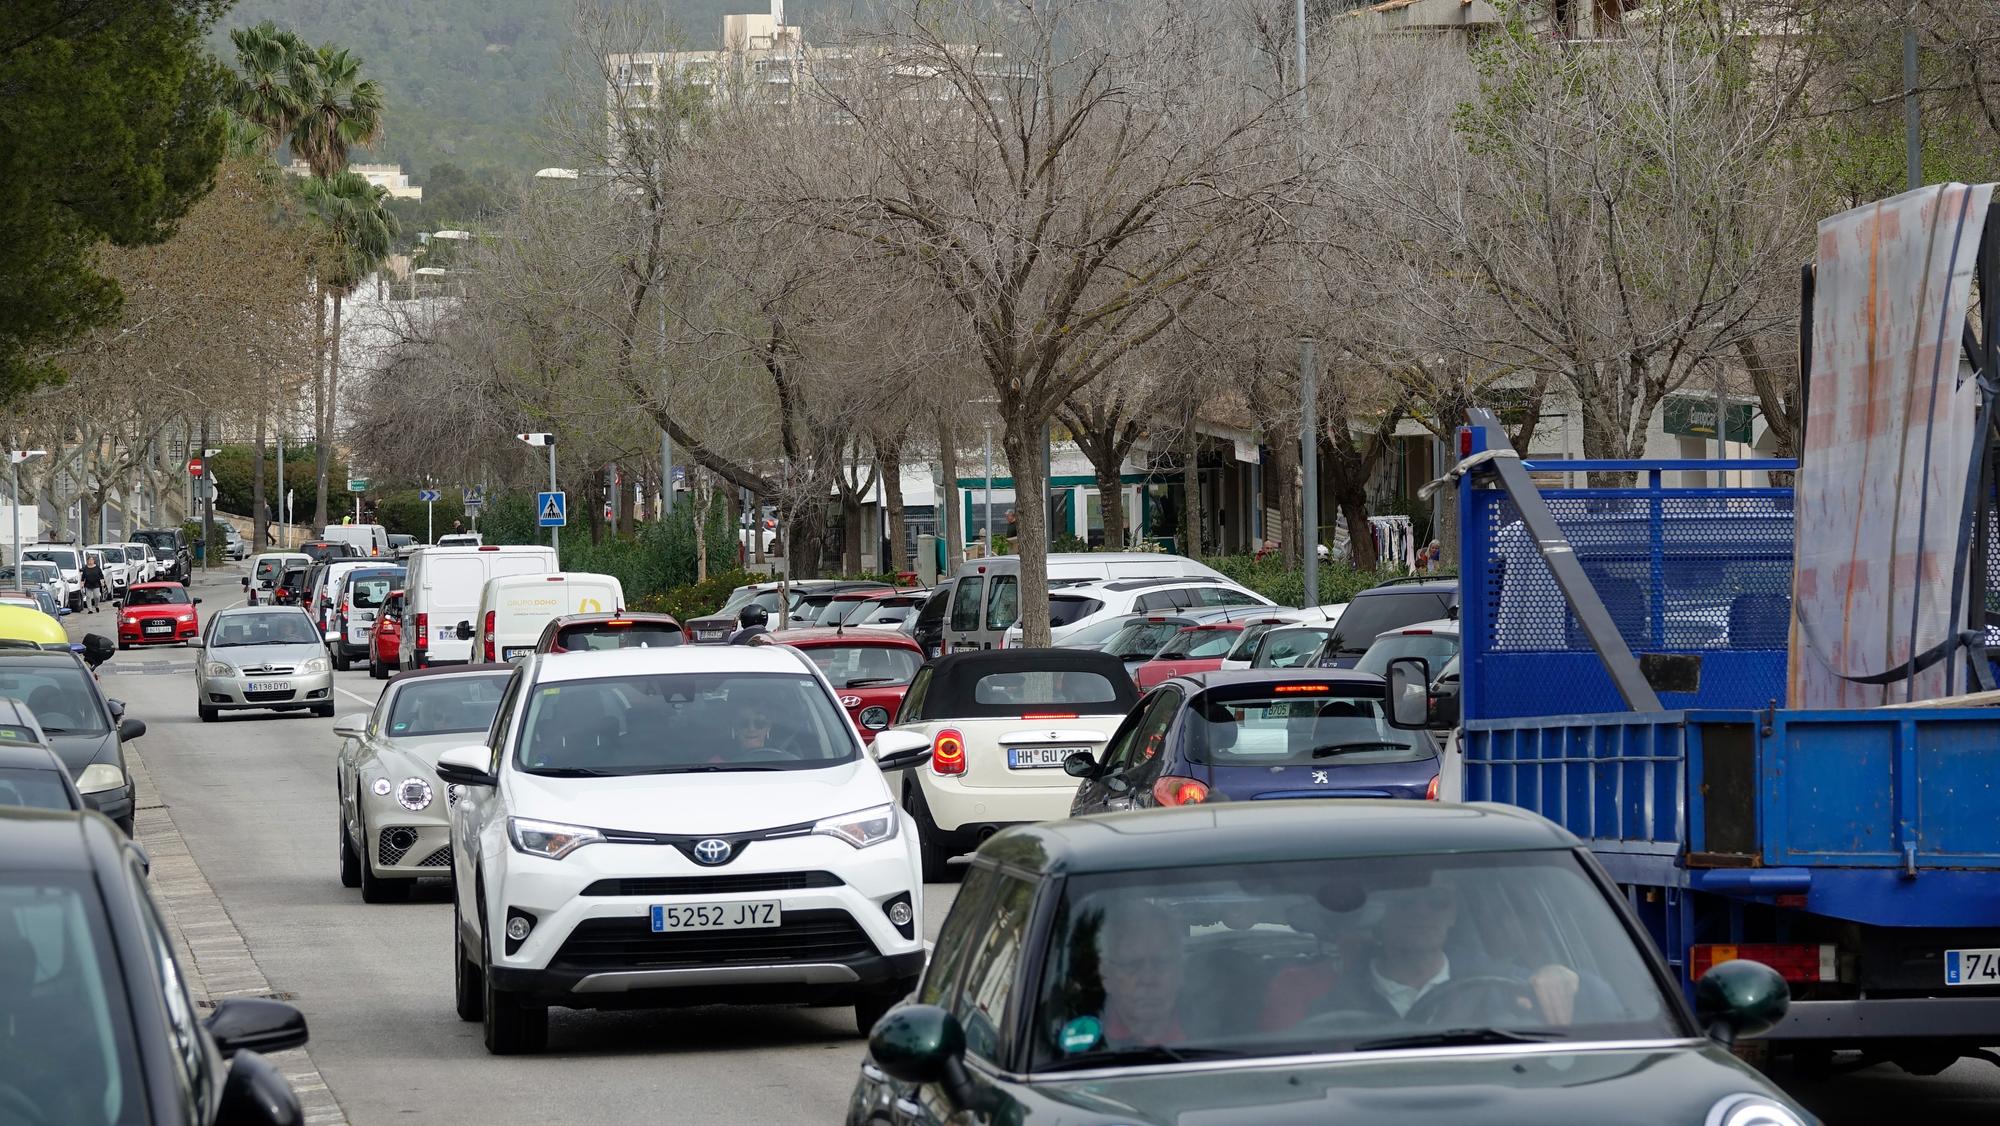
(1337, 748)
(872, 681)
(1449, 1037)
(571, 772)
(1145, 1053)
(711, 768)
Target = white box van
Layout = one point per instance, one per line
(986, 596)
(442, 589)
(368, 539)
(514, 608)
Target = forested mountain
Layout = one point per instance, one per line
(465, 80)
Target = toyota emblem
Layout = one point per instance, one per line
(850, 701)
(712, 851)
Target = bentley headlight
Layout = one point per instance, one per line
(220, 668)
(862, 827)
(549, 839)
(414, 794)
(317, 664)
(382, 787)
(99, 777)
(1752, 1110)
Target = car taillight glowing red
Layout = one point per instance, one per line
(488, 634)
(1048, 715)
(423, 631)
(1431, 792)
(948, 752)
(1172, 790)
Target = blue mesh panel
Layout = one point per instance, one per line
(1704, 571)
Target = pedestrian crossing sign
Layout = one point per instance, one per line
(554, 509)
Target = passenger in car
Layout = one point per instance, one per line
(1141, 960)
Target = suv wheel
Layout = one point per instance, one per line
(930, 847)
(514, 1024)
(468, 983)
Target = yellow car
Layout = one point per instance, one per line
(24, 627)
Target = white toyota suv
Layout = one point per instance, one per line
(678, 827)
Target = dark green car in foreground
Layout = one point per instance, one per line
(1309, 961)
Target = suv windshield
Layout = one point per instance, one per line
(63, 697)
(1251, 960)
(278, 627)
(446, 705)
(111, 554)
(158, 596)
(683, 723)
(162, 543)
(59, 970)
(1296, 725)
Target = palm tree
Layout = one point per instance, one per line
(356, 230)
(277, 80)
(343, 110)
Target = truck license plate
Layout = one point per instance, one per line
(1039, 758)
(1972, 967)
(717, 916)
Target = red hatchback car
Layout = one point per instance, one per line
(870, 669)
(1196, 648)
(382, 655)
(157, 614)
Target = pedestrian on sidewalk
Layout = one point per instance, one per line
(93, 579)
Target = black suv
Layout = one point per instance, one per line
(1393, 605)
(171, 544)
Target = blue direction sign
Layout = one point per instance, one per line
(554, 509)
(428, 496)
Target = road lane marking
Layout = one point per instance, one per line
(353, 696)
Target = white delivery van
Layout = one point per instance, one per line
(514, 608)
(368, 539)
(442, 590)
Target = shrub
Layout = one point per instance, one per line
(1277, 580)
(695, 600)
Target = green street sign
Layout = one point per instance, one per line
(357, 484)
(1693, 416)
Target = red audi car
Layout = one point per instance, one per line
(870, 669)
(157, 614)
(382, 655)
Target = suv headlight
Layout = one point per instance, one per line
(219, 668)
(317, 664)
(861, 828)
(549, 838)
(99, 777)
(1752, 1110)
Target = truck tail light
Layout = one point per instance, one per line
(948, 752)
(1172, 790)
(487, 633)
(1794, 961)
(423, 630)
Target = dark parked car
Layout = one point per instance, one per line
(323, 550)
(172, 546)
(1386, 963)
(31, 773)
(84, 728)
(1305, 733)
(100, 1028)
(1379, 609)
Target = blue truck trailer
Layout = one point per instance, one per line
(1855, 851)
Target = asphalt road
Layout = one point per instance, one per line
(252, 795)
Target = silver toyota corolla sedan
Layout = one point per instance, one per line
(262, 657)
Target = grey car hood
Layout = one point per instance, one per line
(258, 656)
(79, 751)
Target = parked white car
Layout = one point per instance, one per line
(684, 825)
(69, 561)
(1078, 606)
(395, 814)
(141, 556)
(117, 572)
(1000, 723)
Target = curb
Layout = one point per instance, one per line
(209, 947)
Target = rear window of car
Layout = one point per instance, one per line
(1198, 645)
(594, 636)
(1328, 727)
(1138, 641)
(1289, 648)
(1068, 689)
(865, 666)
(368, 593)
(1066, 609)
(1435, 649)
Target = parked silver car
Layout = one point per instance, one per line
(262, 657)
(395, 815)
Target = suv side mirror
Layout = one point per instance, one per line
(900, 750)
(1409, 693)
(467, 766)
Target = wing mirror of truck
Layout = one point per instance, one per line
(1740, 998)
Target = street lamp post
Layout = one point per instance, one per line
(14, 460)
(989, 488)
(548, 439)
(1308, 376)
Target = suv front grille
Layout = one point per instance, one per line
(715, 885)
(806, 936)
